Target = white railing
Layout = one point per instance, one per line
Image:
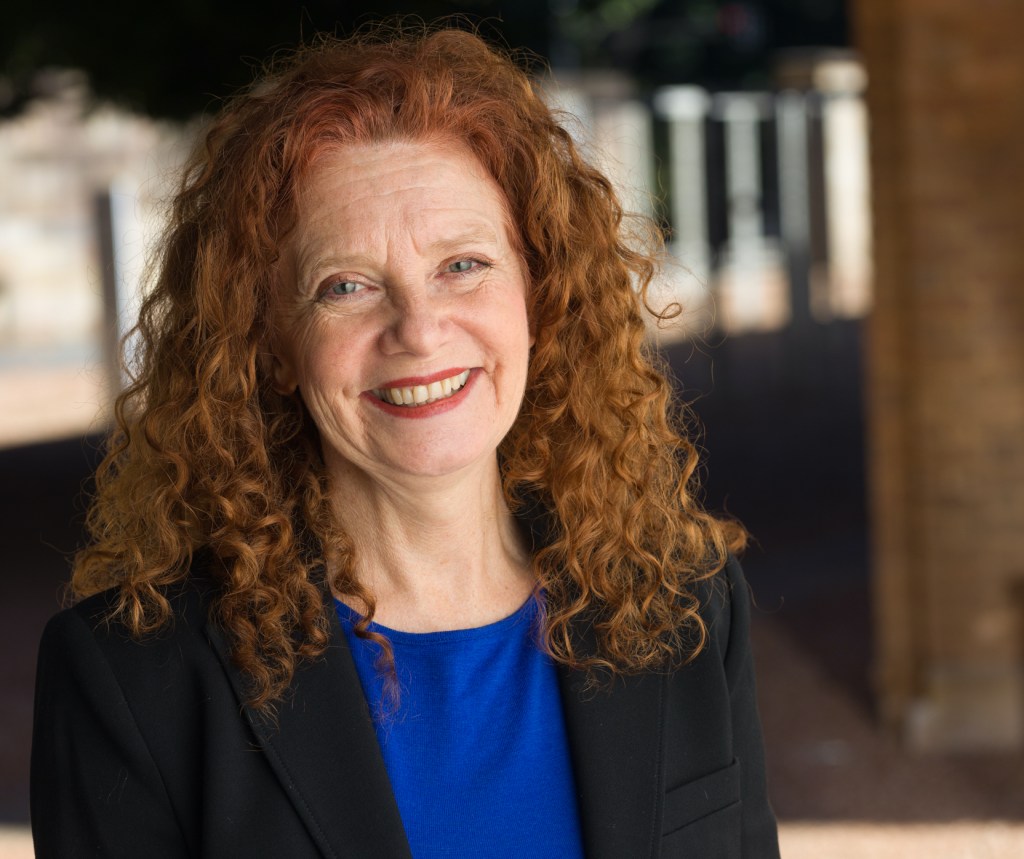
(765, 194)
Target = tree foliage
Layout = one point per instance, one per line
(175, 60)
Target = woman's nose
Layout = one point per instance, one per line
(417, 325)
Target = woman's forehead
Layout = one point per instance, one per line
(426, 186)
(343, 218)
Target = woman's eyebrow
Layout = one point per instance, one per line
(458, 241)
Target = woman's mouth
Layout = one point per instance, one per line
(421, 395)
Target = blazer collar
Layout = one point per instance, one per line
(323, 749)
(615, 732)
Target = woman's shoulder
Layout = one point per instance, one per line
(93, 633)
(161, 686)
(724, 605)
(189, 601)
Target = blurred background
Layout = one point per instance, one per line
(840, 182)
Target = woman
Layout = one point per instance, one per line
(396, 550)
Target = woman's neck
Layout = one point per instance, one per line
(436, 554)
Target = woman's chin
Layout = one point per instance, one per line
(440, 462)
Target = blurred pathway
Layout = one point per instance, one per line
(828, 761)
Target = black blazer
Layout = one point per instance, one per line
(145, 749)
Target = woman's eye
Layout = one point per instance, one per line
(463, 265)
(343, 287)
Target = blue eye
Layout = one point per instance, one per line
(462, 266)
(344, 287)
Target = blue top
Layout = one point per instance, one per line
(476, 750)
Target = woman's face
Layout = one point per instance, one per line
(402, 316)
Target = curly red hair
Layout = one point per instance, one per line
(208, 458)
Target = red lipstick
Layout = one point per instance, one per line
(424, 410)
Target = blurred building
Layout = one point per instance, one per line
(61, 159)
(946, 367)
(764, 194)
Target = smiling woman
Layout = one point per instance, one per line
(396, 551)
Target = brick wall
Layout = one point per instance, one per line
(946, 366)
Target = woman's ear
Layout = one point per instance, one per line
(279, 369)
(283, 375)
(278, 365)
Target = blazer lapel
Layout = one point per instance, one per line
(615, 736)
(324, 751)
(616, 742)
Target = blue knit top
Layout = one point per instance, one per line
(476, 750)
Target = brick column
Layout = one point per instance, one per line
(945, 365)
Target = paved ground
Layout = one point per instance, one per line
(784, 449)
(808, 841)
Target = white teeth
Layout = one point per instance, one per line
(419, 395)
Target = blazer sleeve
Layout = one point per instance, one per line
(760, 835)
(95, 789)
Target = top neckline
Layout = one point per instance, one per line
(525, 614)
